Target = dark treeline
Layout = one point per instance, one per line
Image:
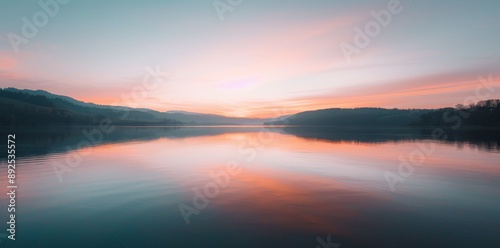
(38, 107)
(481, 114)
(38, 100)
(23, 109)
(41, 108)
(354, 117)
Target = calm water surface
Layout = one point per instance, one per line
(290, 188)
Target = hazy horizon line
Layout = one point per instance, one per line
(205, 113)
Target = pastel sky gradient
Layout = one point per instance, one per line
(265, 56)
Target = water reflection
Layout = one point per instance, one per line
(46, 140)
(297, 185)
(487, 139)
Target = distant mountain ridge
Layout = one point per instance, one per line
(197, 118)
(50, 95)
(38, 107)
(51, 109)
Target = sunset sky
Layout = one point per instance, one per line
(263, 56)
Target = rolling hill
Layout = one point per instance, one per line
(42, 108)
(38, 107)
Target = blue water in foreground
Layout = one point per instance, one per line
(252, 187)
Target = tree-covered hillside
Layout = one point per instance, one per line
(354, 117)
(482, 114)
(19, 108)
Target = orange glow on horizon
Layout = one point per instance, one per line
(385, 96)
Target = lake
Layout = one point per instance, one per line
(252, 186)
